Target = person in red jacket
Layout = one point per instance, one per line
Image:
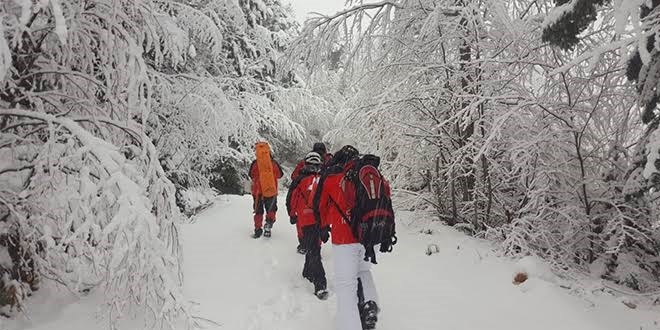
(299, 206)
(333, 202)
(319, 148)
(261, 204)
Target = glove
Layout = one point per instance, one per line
(324, 234)
(386, 246)
(293, 220)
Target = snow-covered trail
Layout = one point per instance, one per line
(243, 283)
(246, 283)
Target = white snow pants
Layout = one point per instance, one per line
(349, 265)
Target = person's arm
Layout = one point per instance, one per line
(278, 169)
(321, 203)
(294, 204)
(253, 169)
(297, 169)
(316, 203)
(290, 196)
(324, 226)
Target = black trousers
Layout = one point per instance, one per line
(266, 205)
(313, 269)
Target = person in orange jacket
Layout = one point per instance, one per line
(263, 205)
(299, 206)
(333, 202)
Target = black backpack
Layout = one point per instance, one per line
(372, 218)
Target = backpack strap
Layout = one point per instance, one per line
(312, 192)
(353, 224)
(334, 169)
(343, 215)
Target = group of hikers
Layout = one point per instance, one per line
(343, 196)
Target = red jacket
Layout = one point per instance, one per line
(254, 175)
(296, 171)
(334, 202)
(301, 198)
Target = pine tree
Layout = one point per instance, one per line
(575, 20)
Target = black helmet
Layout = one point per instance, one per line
(319, 147)
(344, 155)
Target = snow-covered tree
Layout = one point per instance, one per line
(86, 201)
(102, 103)
(236, 96)
(633, 246)
(501, 134)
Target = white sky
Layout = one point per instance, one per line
(302, 7)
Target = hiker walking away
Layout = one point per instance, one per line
(299, 206)
(338, 205)
(264, 172)
(319, 148)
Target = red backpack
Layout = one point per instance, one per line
(372, 218)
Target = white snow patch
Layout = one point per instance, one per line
(196, 197)
(598, 268)
(60, 21)
(534, 267)
(192, 52)
(5, 54)
(5, 258)
(26, 11)
(556, 13)
(652, 154)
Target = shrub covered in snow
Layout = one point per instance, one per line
(196, 199)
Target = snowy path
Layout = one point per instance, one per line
(243, 283)
(247, 284)
(250, 284)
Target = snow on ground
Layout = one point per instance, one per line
(239, 283)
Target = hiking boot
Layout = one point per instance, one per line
(369, 315)
(257, 233)
(320, 290)
(301, 249)
(267, 227)
(321, 294)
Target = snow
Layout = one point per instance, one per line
(236, 282)
(5, 53)
(192, 52)
(26, 11)
(196, 198)
(652, 154)
(60, 21)
(558, 12)
(535, 268)
(626, 15)
(5, 258)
